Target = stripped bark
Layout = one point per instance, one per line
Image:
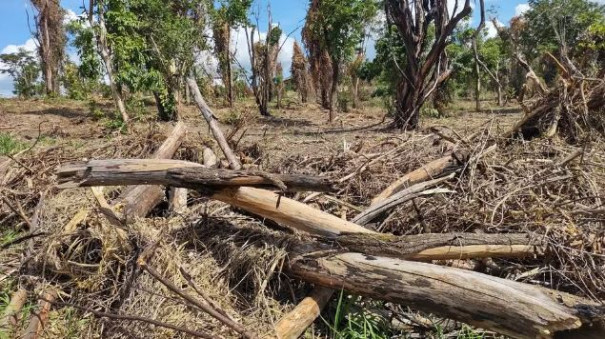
(38, 321)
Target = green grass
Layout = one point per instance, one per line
(9, 145)
(351, 320)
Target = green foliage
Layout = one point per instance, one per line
(95, 110)
(351, 320)
(9, 145)
(233, 12)
(76, 86)
(340, 25)
(24, 68)
(551, 22)
(115, 123)
(84, 42)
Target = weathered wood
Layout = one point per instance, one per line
(176, 173)
(508, 307)
(442, 166)
(11, 313)
(177, 199)
(209, 158)
(398, 199)
(38, 321)
(287, 211)
(140, 200)
(216, 131)
(293, 324)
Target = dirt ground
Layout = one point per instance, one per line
(296, 139)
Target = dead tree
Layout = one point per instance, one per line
(299, 73)
(222, 41)
(51, 42)
(319, 59)
(426, 65)
(104, 51)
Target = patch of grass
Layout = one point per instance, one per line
(116, 124)
(9, 145)
(351, 320)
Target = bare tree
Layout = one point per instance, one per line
(51, 41)
(105, 52)
(426, 65)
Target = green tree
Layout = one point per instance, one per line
(24, 68)
(335, 28)
(227, 15)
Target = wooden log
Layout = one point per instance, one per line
(293, 324)
(507, 307)
(140, 200)
(10, 318)
(177, 200)
(209, 158)
(38, 321)
(214, 128)
(176, 173)
(287, 211)
(436, 168)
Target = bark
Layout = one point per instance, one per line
(211, 120)
(10, 317)
(51, 42)
(177, 173)
(424, 71)
(334, 88)
(177, 200)
(511, 308)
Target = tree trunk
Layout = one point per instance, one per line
(229, 78)
(334, 88)
(102, 43)
(508, 307)
(477, 88)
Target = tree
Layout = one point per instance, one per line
(426, 67)
(332, 30)
(51, 42)
(299, 72)
(24, 68)
(263, 57)
(104, 49)
(230, 14)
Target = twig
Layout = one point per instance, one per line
(22, 239)
(136, 318)
(206, 308)
(19, 212)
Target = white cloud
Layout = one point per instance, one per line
(239, 48)
(491, 29)
(30, 45)
(521, 8)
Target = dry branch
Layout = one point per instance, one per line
(38, 320)
(442, 166)
(296, 321)
(11, 312)
(216, 131)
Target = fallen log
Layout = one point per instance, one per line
(176, 173)
(138, 201)
(293, 324)
(211, 120)
(38, 321)
(11, 313)
(511, 308)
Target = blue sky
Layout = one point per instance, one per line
(14, 30)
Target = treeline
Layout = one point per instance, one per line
(427, 54)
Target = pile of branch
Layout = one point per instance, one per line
(573, 108)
